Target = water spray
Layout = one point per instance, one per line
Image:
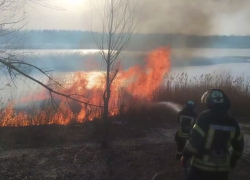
(171, 105)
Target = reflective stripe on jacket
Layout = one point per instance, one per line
(186, 124)
(211, 139)
(186, 119)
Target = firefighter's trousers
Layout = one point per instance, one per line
(180, 145)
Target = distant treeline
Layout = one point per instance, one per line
(67, 39)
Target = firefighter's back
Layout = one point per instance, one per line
(186, 119)
(211, 138)
(219, 131)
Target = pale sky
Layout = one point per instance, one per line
(203, 17)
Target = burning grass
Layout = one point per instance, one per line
(136, 82)
(175, 88)
(134, 93)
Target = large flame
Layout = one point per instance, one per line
(136, 82)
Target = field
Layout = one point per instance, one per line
(138, 150)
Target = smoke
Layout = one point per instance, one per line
(157, 16)
(198, 17)
(173, 17)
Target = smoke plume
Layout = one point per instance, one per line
(197, 17)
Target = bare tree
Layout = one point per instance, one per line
(13, 18)
(117, 19)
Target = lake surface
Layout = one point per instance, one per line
(190, 60)
(193, 61)
(184, 52)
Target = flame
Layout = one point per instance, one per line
(136, 82)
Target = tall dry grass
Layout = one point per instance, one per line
(181, 87)
(177, 88)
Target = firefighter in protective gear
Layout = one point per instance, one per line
(211, 138)
(186, 119)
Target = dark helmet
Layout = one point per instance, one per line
(190, 104)
(216, 99)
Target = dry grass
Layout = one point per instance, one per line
(179, 88)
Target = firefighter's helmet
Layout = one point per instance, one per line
(190, 104)
(216, 99)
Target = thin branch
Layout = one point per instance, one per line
(46, 5)
(12, 67)
(112, 78)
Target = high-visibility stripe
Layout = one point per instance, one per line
(222, 128)
(183, 135)
(207, 163)
(204, 161)
(232, 134)
(207, 160)
(240, 137)
(188, 117)
(211, 132)
(191, 148)
(210, 138)
(181, 118)
(205, 157)
(192, 122)
(199, 130)
(210, 168)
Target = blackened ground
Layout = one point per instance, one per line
(138, 151)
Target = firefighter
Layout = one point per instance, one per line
(186, 119)
(211, 138)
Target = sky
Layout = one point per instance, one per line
(199, 17)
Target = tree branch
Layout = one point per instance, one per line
(11, 67)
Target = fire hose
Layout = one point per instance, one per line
(185, 170)
(158, 174)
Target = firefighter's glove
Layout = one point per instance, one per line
(183, 161)
(233, 162)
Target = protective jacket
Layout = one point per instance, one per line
(211, 139)
(186, 119)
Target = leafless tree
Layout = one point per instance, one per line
(13, 18)
(117, 23)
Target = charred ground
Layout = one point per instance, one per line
(138, 150)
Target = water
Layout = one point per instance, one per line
(211, 52)
(180, 52)
(172, 106)
(182, 60)
(190, 60)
